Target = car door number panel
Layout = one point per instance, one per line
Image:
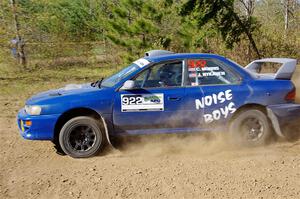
(142, 102)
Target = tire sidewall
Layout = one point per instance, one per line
(237, 135)
(67, 129)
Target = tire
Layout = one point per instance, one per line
(82, 137)
(251, 127)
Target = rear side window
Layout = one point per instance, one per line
(210, 72)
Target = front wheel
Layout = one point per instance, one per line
(251, 127)
(81, 137)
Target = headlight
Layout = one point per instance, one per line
(33, 110)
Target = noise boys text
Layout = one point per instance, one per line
(214, 99)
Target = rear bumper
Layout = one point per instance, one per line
(42, 126)
(285, 118)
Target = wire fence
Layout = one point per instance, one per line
(64, 53)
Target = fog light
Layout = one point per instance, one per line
(28, 123)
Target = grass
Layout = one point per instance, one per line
(14, 80)
(16, 84)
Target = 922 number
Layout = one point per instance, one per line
(130, 100)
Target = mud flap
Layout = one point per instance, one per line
(106, 132)
(283, 116)
(275, 122)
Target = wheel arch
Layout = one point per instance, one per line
(75, 112)
(268, 112)
(248, 106)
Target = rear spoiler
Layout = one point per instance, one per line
(285, 71)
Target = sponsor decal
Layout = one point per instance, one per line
(141, 62)
(152, 98)
(142, 102)
(214, 99)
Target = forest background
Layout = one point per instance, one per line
(103, 36)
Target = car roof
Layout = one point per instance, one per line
(167, 57)
(174, 56)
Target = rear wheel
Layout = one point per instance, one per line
(82, 137)
(251, 127)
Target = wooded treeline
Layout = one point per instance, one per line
(92, 31)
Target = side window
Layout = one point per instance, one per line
(161, 75)
(210, 72)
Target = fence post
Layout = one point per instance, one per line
(20, 40)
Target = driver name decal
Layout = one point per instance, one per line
(207, 72)
(215, 99)
(142, 102)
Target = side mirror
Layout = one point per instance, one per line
(129, 84)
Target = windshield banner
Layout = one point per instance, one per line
(141, 62)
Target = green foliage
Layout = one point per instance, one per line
(223, 16)
(90, 31)
(75, 20)
(134, 26)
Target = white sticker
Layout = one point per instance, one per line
(207, 72)
(141, 62)
(214, 99)
(213, 73)
(142, 102)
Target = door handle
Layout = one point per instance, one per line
(174, 98)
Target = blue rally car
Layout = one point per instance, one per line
(165, 92)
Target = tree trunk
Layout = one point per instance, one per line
(245, 30)
(20, 41)
(286, 16)
(249, 9)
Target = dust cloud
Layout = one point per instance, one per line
(164, 145)
(192, 144)
(296, 80)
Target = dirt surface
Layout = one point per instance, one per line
(193, 167)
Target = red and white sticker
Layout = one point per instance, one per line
(196, 63)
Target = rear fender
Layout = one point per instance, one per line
(283, 115)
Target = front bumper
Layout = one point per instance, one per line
(42, 126)
(285, 118)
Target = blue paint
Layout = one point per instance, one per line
(180, 114)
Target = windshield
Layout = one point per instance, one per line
(114, 79)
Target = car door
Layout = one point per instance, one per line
(222, 90)
(155, 105)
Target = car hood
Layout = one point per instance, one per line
(70, 89)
